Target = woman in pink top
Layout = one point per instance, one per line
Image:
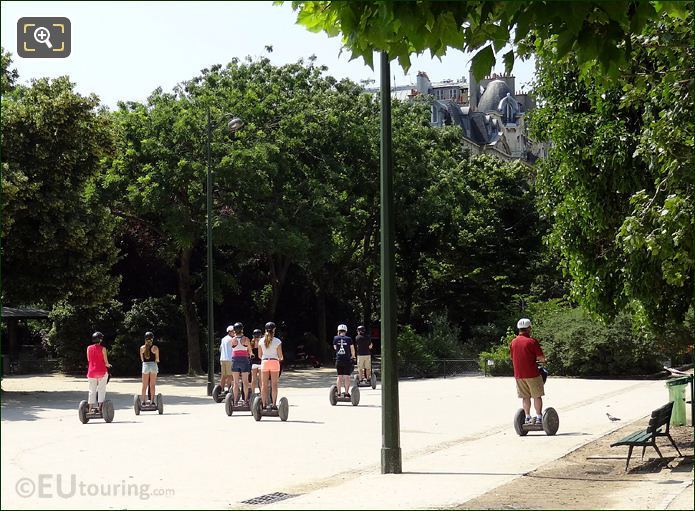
(97, 372)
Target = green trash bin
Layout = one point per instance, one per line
(676, 393)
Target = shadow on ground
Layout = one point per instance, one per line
(27, 406)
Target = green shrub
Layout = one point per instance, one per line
(443, 339)
(501, 361)
(164, 318)
(414, 355)
(72, 330)
(577, 344)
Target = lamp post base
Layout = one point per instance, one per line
(391, 460)
(211, 386)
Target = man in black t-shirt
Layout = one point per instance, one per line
(344, 356)
(364, 353)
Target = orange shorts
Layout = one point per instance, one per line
(272, 366)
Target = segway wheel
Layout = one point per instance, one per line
(82, 411)
(160, 404)
(550, 421)
(519, 419)
(216, 391)
(228, 404)
(333, 395)
(107, 411)
(283, 409)
(355, 395)
(372, 380)
(256, 408)
(136, 405)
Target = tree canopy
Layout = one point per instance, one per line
(592, 30)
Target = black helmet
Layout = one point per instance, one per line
(257, 332)
(149, 335)
(238, 327)
(360, 328)
(269, 326)
(97, 336)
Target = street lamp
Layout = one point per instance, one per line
(390, 416)
(234, 124)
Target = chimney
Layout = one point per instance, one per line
(473, 91)
(423, 83)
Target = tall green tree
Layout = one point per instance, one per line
(9, 76)
(618, 184)
(57, 239)
(156, 182)
(272, 196)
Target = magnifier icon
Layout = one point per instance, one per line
(43, 36)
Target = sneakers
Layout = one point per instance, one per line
(347, 395)
(529, 420)
(539, 419)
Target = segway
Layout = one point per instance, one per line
(259, 411)
(364, 382)
(156, 405)
(105, 412)
(230, 406)
(335, 398)
(550, 421)
(219, 394)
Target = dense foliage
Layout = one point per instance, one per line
(619, 181)
(57, 239)
(591, 30)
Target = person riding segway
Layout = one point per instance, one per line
(96, 406)
(148, 401)
(270, 351)
(364, 377)
(255, 361)
(344, 364)
(239, 398)
(526, 355)
(220, 391)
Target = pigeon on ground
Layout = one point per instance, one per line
(610, 417)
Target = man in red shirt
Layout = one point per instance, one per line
(525, 352)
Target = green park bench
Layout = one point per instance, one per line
(660, 419)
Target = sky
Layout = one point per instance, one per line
(125, 50)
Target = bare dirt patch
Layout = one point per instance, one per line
(594, 477)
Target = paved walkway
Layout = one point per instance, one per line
(456, 437)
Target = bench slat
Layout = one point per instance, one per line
(637, 438)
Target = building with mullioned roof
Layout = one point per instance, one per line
(490, 113)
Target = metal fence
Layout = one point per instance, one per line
(443, 368)
(457, 367)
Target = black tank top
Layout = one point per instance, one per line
(151, 358)
(254, 354)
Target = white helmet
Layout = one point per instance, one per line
(342, 328)
(230, 328)
(523, 323)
